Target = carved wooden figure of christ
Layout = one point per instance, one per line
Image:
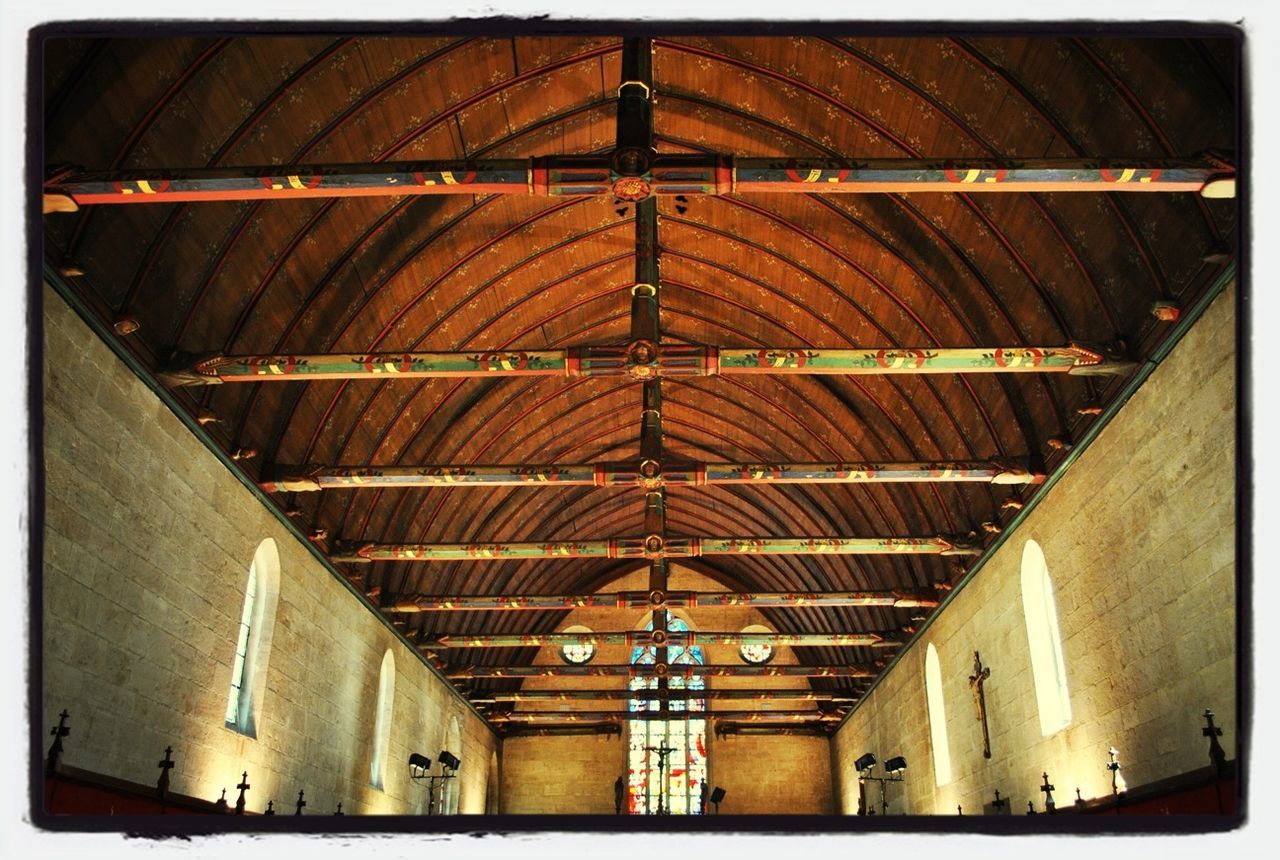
(976, 680)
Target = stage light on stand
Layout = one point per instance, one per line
(894, 768)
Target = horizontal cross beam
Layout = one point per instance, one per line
(650, 670)
(789, 716)
(730, 729)
(674, 694)
(561, 176)
(652, 599)
(654, 546)
(648, 474)
(657, 639)
(511, 730)
(644, 360)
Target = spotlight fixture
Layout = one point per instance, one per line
(894, 767)
(418, 765)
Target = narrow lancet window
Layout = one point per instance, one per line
(1048, 668)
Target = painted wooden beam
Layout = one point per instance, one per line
(515, 730)
(787, 716)
(645, 360)
(655, 598)
(726, 729)
(625, 175)
(653, 546)
(659, 639)
(674, 695)
(646, 473)
(632, 670)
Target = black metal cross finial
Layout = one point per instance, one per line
(1113, 765)
(999, 802)
(271, 808)
(1047, 788)
(339, 812)
(165, 764)
(221, 802)
(1079, 799)
(1217, 755)
(301, 803)
(1031, 810)
(60, 731)
(243, 786)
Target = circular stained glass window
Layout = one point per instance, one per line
(756, 652)
(577, 653)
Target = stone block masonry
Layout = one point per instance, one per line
(1139, 539)
(148, 541)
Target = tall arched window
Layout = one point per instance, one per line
(453, 787)
(253, 640)
(676, 786)
(1048, 668)
(382, 720)
(937, 717)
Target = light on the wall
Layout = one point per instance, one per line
(1113, 765)
(418, 765)
(894, 767)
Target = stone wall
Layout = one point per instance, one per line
(148, 541)
(1139, 538)
(576, 774)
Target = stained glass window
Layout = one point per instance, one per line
(673, 785)
(758, 653)
(577, 653)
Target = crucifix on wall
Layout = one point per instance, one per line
(976, 680)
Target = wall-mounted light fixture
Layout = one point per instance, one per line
(895, 767)
(420, 764)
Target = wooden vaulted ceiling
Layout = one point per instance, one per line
(446, 273)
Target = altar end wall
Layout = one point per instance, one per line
(770, 774)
